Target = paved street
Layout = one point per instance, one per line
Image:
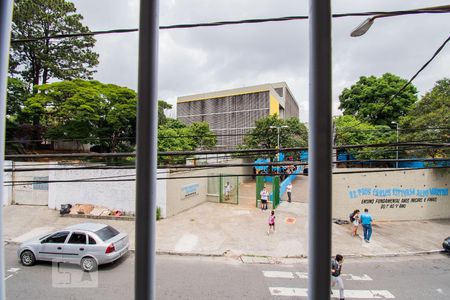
(420, 277)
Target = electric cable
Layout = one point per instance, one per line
(225, 23)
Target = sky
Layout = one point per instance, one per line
(202, 60)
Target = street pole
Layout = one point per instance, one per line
(146, 151)
(396, 147)
(278, 132)
(396, 156)
(319, 249)
(278, 137)
(6, 7)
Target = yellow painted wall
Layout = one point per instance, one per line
(274, 106)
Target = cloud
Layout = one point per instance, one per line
(207, 59)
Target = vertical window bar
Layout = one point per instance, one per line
(319, 248)
(5, 36)
(146, 151)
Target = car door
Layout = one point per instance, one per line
(75, 247)
(52, 246)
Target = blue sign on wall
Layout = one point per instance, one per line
(190, 190)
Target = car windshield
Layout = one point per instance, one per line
(43, 237)
(106, 233)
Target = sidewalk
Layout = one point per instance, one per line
(226, 229)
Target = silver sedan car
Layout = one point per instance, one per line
(87, 244)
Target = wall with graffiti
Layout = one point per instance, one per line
(398, 195)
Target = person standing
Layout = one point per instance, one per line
(354, 218)
(227, 191)
(289, 191)
(264, 198)
(366, 221)
(336, 269)
(271, 222)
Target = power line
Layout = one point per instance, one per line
(230, 165)
(389, 129)
(199, 152)
(21, 141)
(225, 23)
(82, 165)
(131, 138)
(26, 168)
(30, 182)
(415, 75)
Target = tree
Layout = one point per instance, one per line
(176, 136)
(351, 131)
(367, 99)
(262, 136)
(202, 136)
(40, 60)
(87, 111)
(429, 120)
(16, 95)
(175, 139)
(162, 106)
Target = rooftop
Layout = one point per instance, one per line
(238, 91)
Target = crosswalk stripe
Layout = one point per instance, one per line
(278, 274)
(13, 270)
(304, 275)
(355, 294)
(292, 292)
(364, 277)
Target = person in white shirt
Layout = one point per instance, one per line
(227, 191)
(289, 191)
(264, 198)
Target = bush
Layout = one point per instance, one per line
(158, 213)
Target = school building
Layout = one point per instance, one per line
(232, 113)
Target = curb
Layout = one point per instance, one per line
(271, 259)
(193, 254)
(81, 216)
(399, 254)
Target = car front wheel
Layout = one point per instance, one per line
(88, 264)
(27, 258)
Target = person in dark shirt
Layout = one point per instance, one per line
(336, 269)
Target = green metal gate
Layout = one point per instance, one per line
(275, 190)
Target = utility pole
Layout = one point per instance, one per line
(396, 154)
(278, 136)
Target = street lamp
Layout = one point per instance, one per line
(278, 134)
(365, 26)
(396, 155)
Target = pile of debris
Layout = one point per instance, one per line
(90, 210)
(339, 221)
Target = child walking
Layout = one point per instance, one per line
(271, 222)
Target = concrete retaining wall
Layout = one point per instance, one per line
(394, 195)
(24, 192)
(119, 195)
(173, 195)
